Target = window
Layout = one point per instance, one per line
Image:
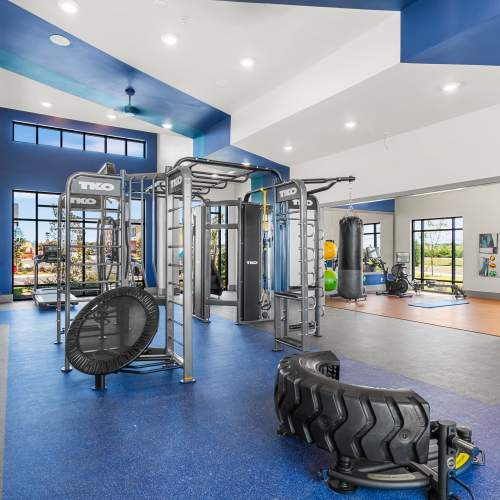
(49, 136)
(371, 235)
(96, 143)
(71, 139)
(438, 250)
(24, 133)
(115, 146)
(34, 223)
(135, 148)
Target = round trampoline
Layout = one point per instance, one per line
(112, 330)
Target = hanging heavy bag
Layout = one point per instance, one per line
(350, 258)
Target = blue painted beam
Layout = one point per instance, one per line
(451, 32)
(374, 206)
(87, 72)
(342, 4)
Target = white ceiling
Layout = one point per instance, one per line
(19, 92)
(285, 41)
(213, 37)
(402, 98)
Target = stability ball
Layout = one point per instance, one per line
(330, 280)
(330, 250)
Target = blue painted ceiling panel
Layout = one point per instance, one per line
(345, 4)
(87, 72)
(451, 32)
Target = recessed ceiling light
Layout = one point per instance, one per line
(247, 62)
(214, 175)
(350, 125)
(46, 104)
(60, 40)
(246, 163)
(169, 39)
(68, 6)
(288, 147)
(231, 172)
(111, 116)
(450, 87)
(166, 125)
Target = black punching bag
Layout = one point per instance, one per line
(350, 258)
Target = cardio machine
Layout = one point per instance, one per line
(397, 282)
(47, 296)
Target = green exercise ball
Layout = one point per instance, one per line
(330, 280)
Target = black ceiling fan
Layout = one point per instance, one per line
(130, 110)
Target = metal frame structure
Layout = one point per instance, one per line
(295, 203)
(186, 182)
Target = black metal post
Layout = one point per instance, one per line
(99, 383)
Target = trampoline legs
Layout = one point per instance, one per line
(100, 383)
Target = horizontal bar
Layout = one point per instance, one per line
(216, 302)
(222, 226)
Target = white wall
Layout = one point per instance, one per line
(460, 150)
(330, 218)
(479, 207)
(170, 149)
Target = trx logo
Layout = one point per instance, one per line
(252, 262)
(288, 192)
(83, 201)
(95, 186)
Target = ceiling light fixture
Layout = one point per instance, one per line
(247, 63)
(111, 116)
(68, 6)
(167, 125)
(246, 163)
(288, 148)
(350, 125)
(60, 40)
(215, 176)
(46, 104)
(450, 87)
(169, 39)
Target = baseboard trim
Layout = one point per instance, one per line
(483, 295)
(5, 299)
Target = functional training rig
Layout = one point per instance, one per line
(296, 211)
(382, 438)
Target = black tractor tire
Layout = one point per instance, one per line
(381, 425)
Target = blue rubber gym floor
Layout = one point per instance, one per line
(151, 437)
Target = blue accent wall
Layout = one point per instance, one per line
(374, 206)
(45, 168)
(346, 4)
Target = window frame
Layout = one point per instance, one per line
(377, 235)
(421, 231)
(85, 134)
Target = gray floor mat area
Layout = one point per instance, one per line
(461, 361)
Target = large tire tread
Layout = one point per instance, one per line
(357, 422)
